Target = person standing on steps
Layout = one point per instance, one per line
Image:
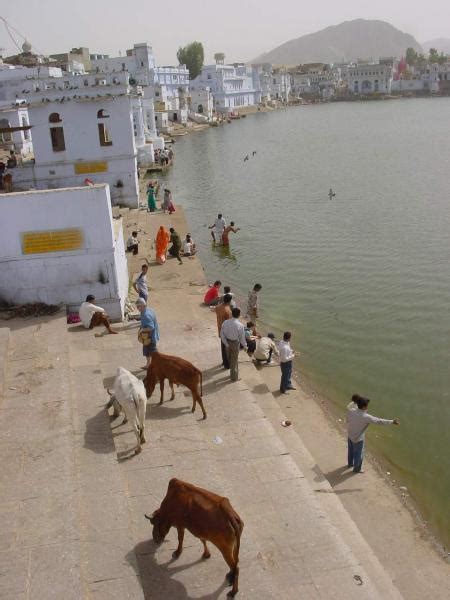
(252, 303)
(175, 248)
(358, 420)
(233, 337)
(151, 198)
(140, 285)
(223, 312)
(286, 356)
(149, 331)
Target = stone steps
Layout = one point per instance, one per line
(291, 545)
(64, 521)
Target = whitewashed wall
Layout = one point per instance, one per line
(80, 124)
(98, 268)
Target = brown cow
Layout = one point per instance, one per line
(207, 516)
(176, 370)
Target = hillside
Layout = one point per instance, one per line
(441, 45)
(345, 42)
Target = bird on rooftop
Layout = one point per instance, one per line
(254, 153)
(246, 157)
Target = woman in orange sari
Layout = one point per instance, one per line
(162, 244)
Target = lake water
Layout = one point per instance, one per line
(363, 280)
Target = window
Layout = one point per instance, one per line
(103, 135)
(54, 118)
(57, 137)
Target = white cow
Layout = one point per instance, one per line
(129, 395)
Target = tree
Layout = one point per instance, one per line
(219, 57)
(411, 56)
(192, 56)
(433, 56)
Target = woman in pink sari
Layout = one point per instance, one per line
(162, 244)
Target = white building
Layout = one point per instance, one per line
(280, 85)
(316, 79)
(202, 102)
(163, 84)
(370, 78)
(82, 128)
(231, 86)
(58, 246)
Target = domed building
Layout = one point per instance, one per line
(26, 58)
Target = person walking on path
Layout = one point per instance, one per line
(212, 297)
(252, 303)
(140, 285)
(226, 231)
(223, 312)
(265, 347)
(162, 244)
(286, 356)
(133, 243)
(175, 248)
(233, 336)
(149, 331)
(358, 420)
(217, 228)
(151, 198)
(92, 315)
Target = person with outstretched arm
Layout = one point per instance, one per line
(358, 420)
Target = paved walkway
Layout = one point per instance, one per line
(72, 503)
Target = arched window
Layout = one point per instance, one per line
(57, 133)
(54, 118)
(103, 133)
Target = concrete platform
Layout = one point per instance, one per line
(73, 496)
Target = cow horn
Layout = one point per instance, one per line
(147, 517)
(109, 393)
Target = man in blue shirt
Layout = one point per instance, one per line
(149, 331)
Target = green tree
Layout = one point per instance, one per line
(433, 56)
(192, 56)
(219, 57)
(411, 56)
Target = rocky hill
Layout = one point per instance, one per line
(345, 42)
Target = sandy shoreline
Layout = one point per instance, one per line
(386, 516)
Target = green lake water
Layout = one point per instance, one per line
(363, 280)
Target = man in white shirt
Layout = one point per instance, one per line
(358, 420)
(286, 356)
(133, 243)
(232, 335)
(92, 315)
(265, 347)
(218, 228)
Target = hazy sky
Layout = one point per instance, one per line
(241, 29)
